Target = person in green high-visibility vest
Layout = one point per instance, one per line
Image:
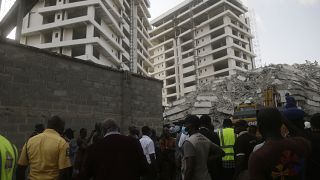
(227, 139)
(8, 157)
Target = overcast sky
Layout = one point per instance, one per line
(288, 30)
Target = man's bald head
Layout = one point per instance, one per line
(56, 123)
(110, 126)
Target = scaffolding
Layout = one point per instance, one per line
(255, 41)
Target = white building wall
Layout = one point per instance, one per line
(219, 32)
(53, 26)
(33, 39)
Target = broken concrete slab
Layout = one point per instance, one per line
(203, 104)
(180, 101)
(224, 94)
(201, 111)
(242, 78)
(207, 98)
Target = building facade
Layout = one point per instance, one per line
(197, 41)
(108, 32)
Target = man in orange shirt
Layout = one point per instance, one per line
(46, 154)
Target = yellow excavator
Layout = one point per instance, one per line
(248, 110)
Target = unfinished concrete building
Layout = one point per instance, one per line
(108, 32)
(198, 41)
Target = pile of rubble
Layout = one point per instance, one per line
(219, 98)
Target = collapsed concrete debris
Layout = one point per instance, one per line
(219, 98)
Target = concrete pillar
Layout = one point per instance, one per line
(91, 11)
(90, 32)
(21, 12)
(177, 61)
(232, 66)
(226, 20)
(231, 63)
(229, 41)
(179, 76)
(89, 51)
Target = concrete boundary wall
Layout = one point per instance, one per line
(36, 84)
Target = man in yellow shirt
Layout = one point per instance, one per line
(46, 154)
(8, 158)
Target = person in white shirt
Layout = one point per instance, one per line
(149, 151)
(184, 136)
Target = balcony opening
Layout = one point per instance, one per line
(188, 74)
(190, 54)
(72, 1)
(216, 24)
(189, 84)
(168, 46)
(220, 54)
(234, 22)
(220, 66)
(50, 3)
(127, 62)
(97, 18)
(170, 82)
(216, 12)
(169, 55)
(224, 74)
(234, 32)
(236, 42)
(187, 47)
(218, 44)
(186, 37)
(184, 17)
(96, 52)
(78, 50)
(169, 63)
(96, 33)
(245, 56)
(171, 99)
(79, 32)
(47, 37)
(188, 64)
(236, 53)
(217, 33)
(171, 90)
(200, 19)
(48, 19)
(170, 72)
(238, 64)
(74, 13)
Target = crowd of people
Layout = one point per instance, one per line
(279, 147)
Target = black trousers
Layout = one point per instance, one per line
(227, 173)
(151, 174)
